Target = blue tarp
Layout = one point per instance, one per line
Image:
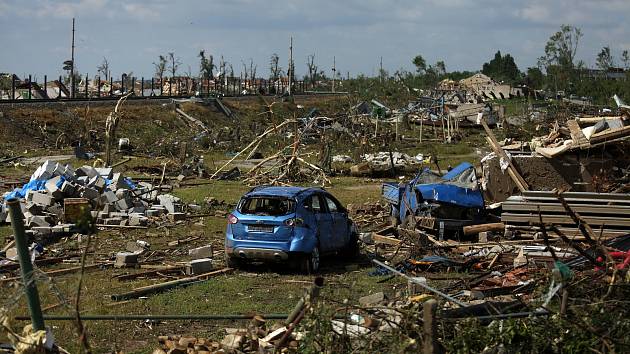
(34, 185)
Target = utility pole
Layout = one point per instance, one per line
(334, 70)
(72, 65)
(291, 67)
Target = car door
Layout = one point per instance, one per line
(324, 222)
(339, 216)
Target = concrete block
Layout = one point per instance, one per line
(88, 171)
(199, 266)
(112, 221)
(39, 198)
(38, 220)
(33, 209)
(105, 172)
(372, 299)
(169, 202)
(152, 212)
(42, 230)
(176, 216)
(126, 259)
(201, 252)
(122, 204)
(82, 180)
(137, 220)
(90, 193)
(68, 188)
(97, 182)
(53, 190)
(108, 197)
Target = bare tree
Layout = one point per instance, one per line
(104, 69)
(160, 67)
(274, 67)
(312, 68)
(174, 63)
(625, 58)
(252, 69)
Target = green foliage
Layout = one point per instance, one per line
(502, 68)
(604, 59)
(420, 63)
(535, 78)
(206, 65)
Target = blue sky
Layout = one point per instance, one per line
(35, 34)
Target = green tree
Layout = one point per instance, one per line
(206, 65)
(605, 59)
(420, 63)
(559, 57)
(502, 68)
(535, 78)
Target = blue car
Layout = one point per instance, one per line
(288, 224)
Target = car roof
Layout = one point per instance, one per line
(281, 191)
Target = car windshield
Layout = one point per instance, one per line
(272, 206)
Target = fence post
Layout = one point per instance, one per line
(122, 84)
(46, 86)
(30, 288)
(430, 343)
(111, 86)
(30, 87)
(87, 79)
(59, 87)
(98, 87)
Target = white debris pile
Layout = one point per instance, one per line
(56, 196)
(383, 161)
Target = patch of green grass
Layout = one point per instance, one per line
(5, 231)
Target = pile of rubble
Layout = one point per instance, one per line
(257, 338)
(386, 161)
(55, 198)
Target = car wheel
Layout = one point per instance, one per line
(310, 263)
(232, 262)
(352, 249)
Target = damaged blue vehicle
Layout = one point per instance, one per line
(439, 204)
(288, 224)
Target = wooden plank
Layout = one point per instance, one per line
(559, 219)
(576, 134)
(475, 229)
(385, 240)
(581, 195)
(611, 134)
(583, 209)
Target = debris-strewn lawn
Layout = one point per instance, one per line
(258, 288)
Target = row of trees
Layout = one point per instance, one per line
(170, 64)
(557, 70)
